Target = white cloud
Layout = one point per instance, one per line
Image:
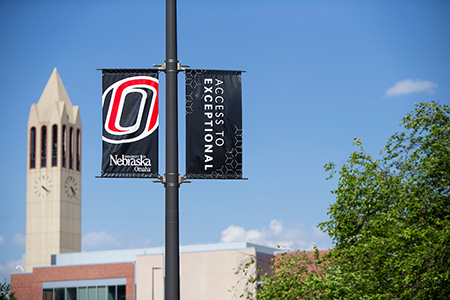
(409, 86)
(233, 234)
(2, 239)
(11, 267)
(18, 239)
(96, 240)
(293, 237)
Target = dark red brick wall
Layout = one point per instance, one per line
(22, 285)
(29, 286)
(309, 255)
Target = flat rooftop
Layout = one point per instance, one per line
(129, 255)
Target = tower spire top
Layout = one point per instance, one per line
(54, 93)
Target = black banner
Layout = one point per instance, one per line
(213, 124)
(130, 123)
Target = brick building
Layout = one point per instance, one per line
(112, 281)
(206, 272)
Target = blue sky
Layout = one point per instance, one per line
(318, 75)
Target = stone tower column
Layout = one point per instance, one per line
(53, 176)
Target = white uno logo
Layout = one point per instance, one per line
(145, 114)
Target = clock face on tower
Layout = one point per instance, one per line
(71, 188)
(43, 186)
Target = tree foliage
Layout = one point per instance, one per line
(391, 219)
(292, 276)
(5, 292)
(390, 223)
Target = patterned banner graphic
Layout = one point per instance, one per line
(213, 124)
(130, 123)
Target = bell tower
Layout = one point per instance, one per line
(53, 176)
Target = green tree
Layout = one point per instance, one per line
(390, 223)
(292, 276)
(391, 219)
(5, 292)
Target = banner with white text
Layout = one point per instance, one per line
(213, 124)
(130, 123)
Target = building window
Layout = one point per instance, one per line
(32, 148)
(101, 292)
(64, 146)
(71, 148)
(43, 146)
(121, 292)
(54, 145)
(91, 293)
(54, 294)
(71, 293)
(82, 293)
(59, 294)
(78, 145)
(111, 292)
(47, 294)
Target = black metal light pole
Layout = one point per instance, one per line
(172, 257)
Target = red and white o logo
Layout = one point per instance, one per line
(132, 109)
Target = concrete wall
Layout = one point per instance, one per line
(150, 274)
(204, 275)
